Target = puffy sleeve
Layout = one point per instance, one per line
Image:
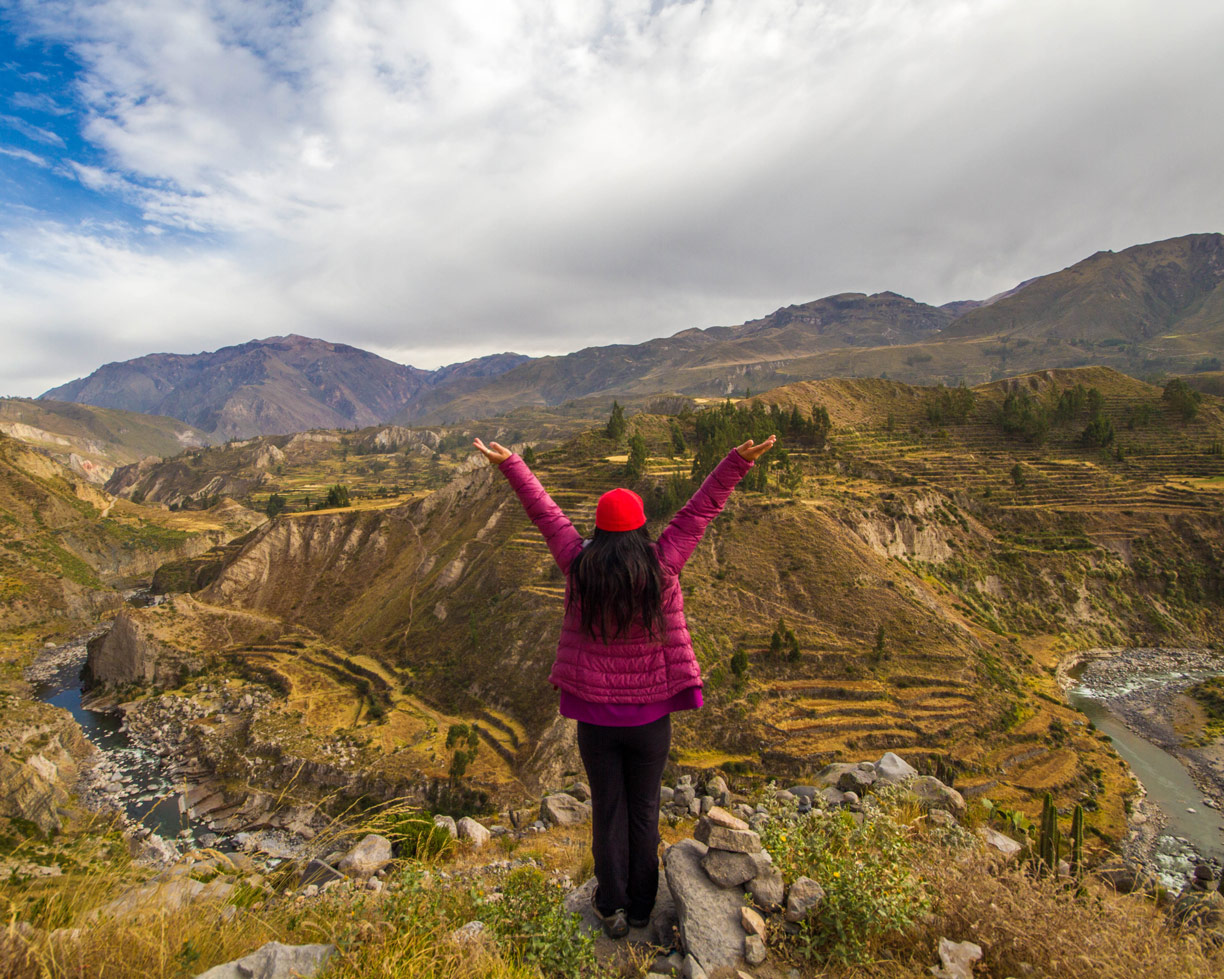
(682, 535)
(564, 542)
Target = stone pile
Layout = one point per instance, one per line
(709, 877)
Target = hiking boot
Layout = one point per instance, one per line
(639, 922)
(615, 924)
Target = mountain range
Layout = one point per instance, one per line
(1149, 309)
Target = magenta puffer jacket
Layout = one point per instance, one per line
(636, 668)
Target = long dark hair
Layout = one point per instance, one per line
(616, 581)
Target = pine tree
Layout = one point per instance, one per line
(529, 456)
(739, 662)
(635, 468)
(678, 446)
(616, 422)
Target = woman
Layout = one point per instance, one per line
(625, 662)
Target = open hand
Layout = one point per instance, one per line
(495, 453)
(751, 451)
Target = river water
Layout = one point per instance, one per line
(1193, 830)
(134, 778)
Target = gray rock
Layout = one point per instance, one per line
(931, 793)
(941, 817)
(561, 809)
(805, 894)
(997, 841)
(957, 959)
(831, 797)
(683, 796)
(724, 838)
(717, 787)
(754, 950)
(727, 869)
(705, 804)
(785, 797)
(274, 961)
(768, 889)
(473, 933)
(856, 780)
(709, 914)
(367, 857)
(318, 872)
(666, 793)
(892, 768)
(692, 968)
(580, 791)
(830, 774)
(660, 929)
(803, 790)
(447, 823)
(468, 829)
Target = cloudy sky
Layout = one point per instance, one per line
(438, 179)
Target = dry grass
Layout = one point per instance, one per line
(1041, 928)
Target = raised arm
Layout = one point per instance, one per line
(564, 542)
(682, 535)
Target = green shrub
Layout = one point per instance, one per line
(417, 838)
(871, 889)
(531, 920)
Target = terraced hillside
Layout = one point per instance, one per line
(932, 571)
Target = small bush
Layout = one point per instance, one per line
(530, 918)
(419, 839)
(871, 890)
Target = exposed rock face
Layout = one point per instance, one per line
(34, 781)
(128, 654)
(709, 915)
(933, 794)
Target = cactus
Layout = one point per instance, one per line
(1047, 845)
(1077, 842)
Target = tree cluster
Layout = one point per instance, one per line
(467, 737)
(945, 405)
(783, 642)
(1182, 398)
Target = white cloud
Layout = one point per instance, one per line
(441, 178)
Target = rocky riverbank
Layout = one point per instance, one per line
(1138, 696)
(1146, 688)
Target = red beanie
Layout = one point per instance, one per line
(619, 509)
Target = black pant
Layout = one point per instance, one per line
(624, 766)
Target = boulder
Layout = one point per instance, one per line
(274, 961)
(447, 823)
(957, 959)
(367, 857)
(659, 931)
(684, 796)
(831, 773)
(856, 780)
(832, 797)
(580, 791)
(708, 914)
(997, 841)
(468, 829)
(562, 809)
(892, 768)
(724, 838)
(809, 791)
(941, 818)
(727, 868)
(805, 894)
(666, 793)
(717, 787)
(768, 889)
(931, 793)
(473, 933)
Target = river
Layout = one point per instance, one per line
(1120, 692)
(127, 777)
